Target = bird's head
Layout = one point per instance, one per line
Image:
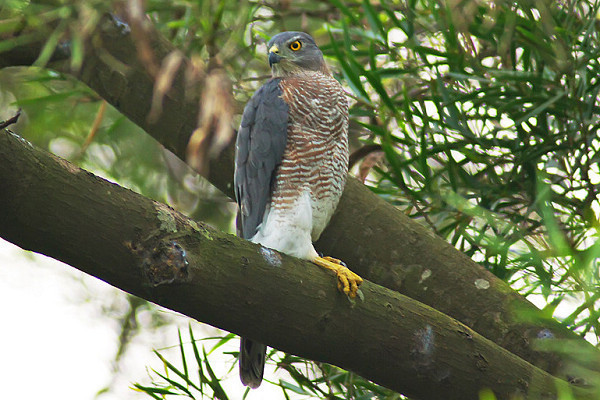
(293, 52)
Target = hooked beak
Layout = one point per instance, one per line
(274, 56)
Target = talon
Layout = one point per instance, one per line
(347, 281)
(343, 281)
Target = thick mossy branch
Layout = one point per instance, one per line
(375, 239)
(152, 251)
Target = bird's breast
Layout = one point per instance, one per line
(315, 159)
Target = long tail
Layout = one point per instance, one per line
(252, 362)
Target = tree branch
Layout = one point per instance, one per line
(375, 239)
(152, 251)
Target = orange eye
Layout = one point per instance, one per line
(297, 45)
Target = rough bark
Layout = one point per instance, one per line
(150, 250)
(375, 239)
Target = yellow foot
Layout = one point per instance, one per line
(347, 281)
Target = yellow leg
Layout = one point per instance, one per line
(347, 281)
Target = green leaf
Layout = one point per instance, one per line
(374, 80)
(174, 369)
(222, 341)
(537, 110)
(374, 22)
(350, 76)
(214, 382)
(52, 42)
(345, 10)
(199, 361)
(183, 360)
(176, 384)
(154, 390)
(296, 389)
(555, 233)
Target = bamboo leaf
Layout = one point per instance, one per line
(374, 22)
(174, 369)
(214, 382)
(342, 7)
(183, 360)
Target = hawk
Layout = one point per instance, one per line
(291, 165)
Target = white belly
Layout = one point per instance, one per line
(290, 230)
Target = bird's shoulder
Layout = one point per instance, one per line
(269, 94)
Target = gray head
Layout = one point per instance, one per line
(293, 52)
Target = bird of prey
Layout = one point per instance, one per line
(291, 165)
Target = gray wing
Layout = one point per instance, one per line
(260, 145)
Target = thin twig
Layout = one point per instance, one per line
(94, 129)
(362, 153)
(11, 121)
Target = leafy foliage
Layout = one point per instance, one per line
(487, 116)
(178, 381)
(196, 378)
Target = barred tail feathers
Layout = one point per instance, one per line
(252, 362)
